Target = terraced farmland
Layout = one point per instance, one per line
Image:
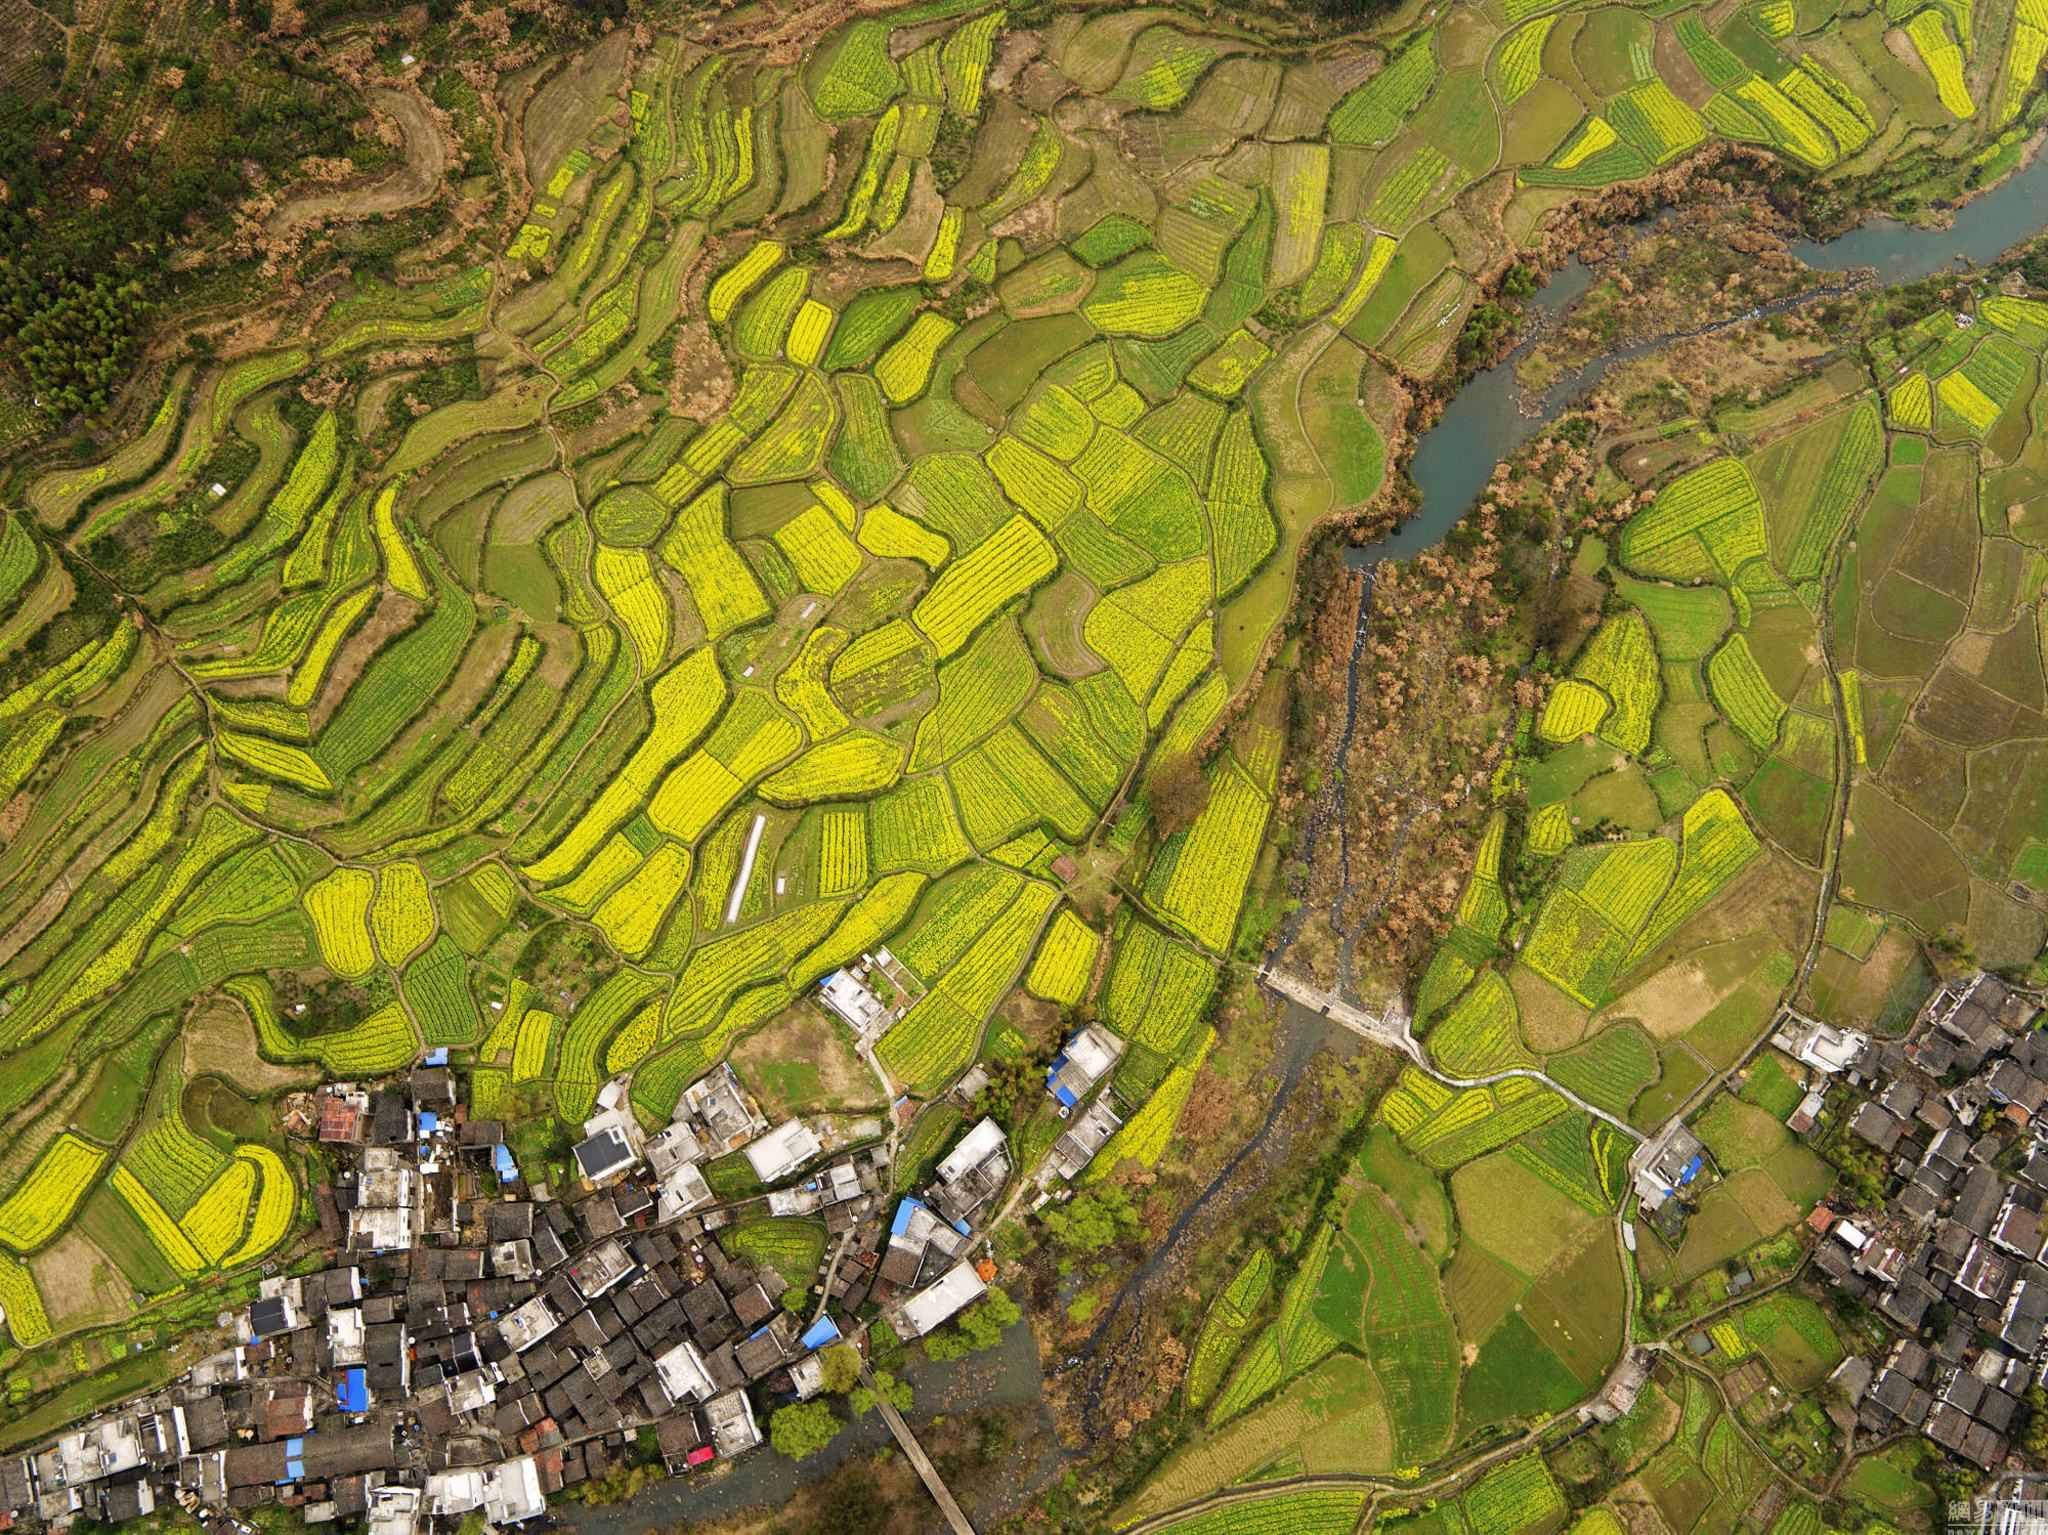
(1806, 656)
(808, 520)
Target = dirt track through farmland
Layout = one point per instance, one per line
(416, 177)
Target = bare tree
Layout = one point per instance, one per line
(1179, 791)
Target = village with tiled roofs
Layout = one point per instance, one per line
(1949, 1117)
(474, 1345)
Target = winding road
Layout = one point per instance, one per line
(422, 165)
(1391, 1029)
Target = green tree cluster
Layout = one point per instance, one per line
(2034, 1426)
(887, 1389)
(86, 231)
(1016, 1085)
(1088, 1223)
(841, 1364)
(804, 1428)
(1862, 1170)
(980, 1326)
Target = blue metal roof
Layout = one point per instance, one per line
(429, 1121)
(1066, 1096)
(438, 1056)
(508, 1170)
(963, 1228)
(902, 1221)
(820, 1333)
(352, 1392)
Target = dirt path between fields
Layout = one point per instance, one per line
(411, 182)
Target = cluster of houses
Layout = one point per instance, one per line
(1954, 1257)
(872, 996)
(476, 1345)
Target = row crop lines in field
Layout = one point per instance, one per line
(1715, 845)
(1224, 1328)
(1481, 1034)
(1448, 1126)
(1158, 988)
(1144, 1137)
(246, 1210)
(1295, 1511)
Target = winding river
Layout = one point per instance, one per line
(1492, 415)
(1488, 419)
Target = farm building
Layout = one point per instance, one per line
(1819, 1045)
(959, 1287)
(973, 1172)
(1803, 1118)
(603, 1157)
(671, 1146)
(1085, 1060)
(728, 1116)
(1082, 1139)
(847, 995)
(783, 1150)
(1669, 1166)
(921, 1244)
(385, 1213)
(733, 1429)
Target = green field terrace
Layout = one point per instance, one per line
(865, 474)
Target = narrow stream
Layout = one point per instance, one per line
(1483, 424)
(1486, 421)
(1299, 1038)
(1492, 415)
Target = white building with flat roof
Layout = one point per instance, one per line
(392, 1510)
(975, 1147)
(847, 995)
(454, 1492)
(683, 1375)
(512, 1491)
(1085, 1060)
(1077, 1145)
(783, 1150)
(528, 1323)
(668, 1148)
(973, 1172)
(682, 1190)
(937, 1303)
(731, 1420)
(1822, 1046)
(718, 1103)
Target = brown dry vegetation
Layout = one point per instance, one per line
(220, 1038)
(1707, 261)
(1431, 704)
